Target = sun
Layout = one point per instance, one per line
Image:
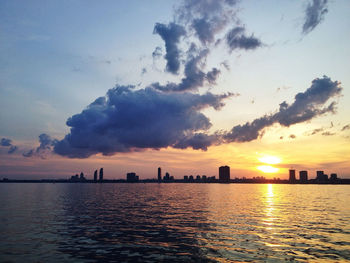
(268, 169)
(268, 161)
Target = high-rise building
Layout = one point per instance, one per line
(101, 175)
(159, 174)
(303, 176)
(95, 176)
(321, 176)
(292, 175)
(132, 177)
(224, 174)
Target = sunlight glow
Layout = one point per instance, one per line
(269, 159)
(267, 169)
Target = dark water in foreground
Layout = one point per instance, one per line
(174, 222)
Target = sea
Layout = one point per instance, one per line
(80, 222)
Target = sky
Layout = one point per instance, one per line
(261, 86)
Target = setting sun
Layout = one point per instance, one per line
(267, 169)
(268, 161)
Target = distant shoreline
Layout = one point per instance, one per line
(233, 181)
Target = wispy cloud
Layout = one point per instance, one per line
(314, 14)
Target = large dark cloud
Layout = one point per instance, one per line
(8, 143)
(46, 145)
(195, 77)
(171, 35)
(237, 39)
(307, 105)
(314, 14)
(128, 119)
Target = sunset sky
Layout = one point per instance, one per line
(187, 86)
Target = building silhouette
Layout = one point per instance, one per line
(82, 178)
(159, 174)
(166, 177)
(303, 176)
(224, 174)
(292, 176)
(321, 176)
(333, 177)
(95, 176)
(101, 175)
(132, 177)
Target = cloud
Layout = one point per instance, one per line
(46, 145)
(306, 106)
(29, 153)
(12, 149)
(315, 131)
(171, 35)
(236, 39)
(8, 143)
(314, 14)
(157, 53)
(194, 75)
(5, 142)
(346, 127)
(327, 133)
(207, 18)
(128, 120)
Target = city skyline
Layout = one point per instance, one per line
(193, 85)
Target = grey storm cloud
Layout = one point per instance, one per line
(128, 119)
(171, 35)
(314, 14)
(46, 145)
(237, 39)
(194, 75)
(306, 106)
(8, 143)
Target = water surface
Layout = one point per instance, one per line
(174, 222)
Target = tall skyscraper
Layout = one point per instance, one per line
(303, 176)
(159, 174)
(224, 174)
(101, 174)
(95, 176)
(292, 176)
